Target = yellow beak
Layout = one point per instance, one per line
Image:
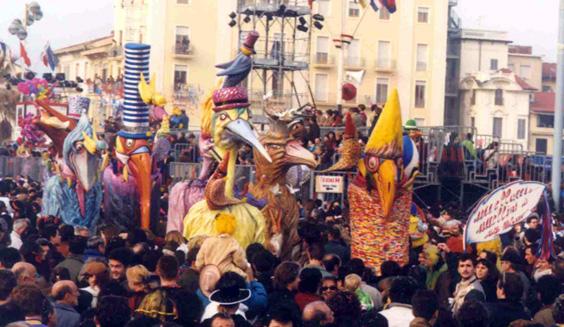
(386, 184)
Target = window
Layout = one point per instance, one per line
(76, 70)
(545, 121)
(525, 71)
(493, 64)
(383, 54)
(381, 90)
(473, 121)
(497, 124)
(540, 146)
(182, 44)
(420, 94)
(323, 7)
(354, 9)
(120, 37)
(353, 55)
(183, 2)
(422, 14)
(180, 76)
(421, 57)
(321, 87)
(499, 97)
(322, 45)
(384, 14)
(85, 71)
(473, 98)
(521, 129)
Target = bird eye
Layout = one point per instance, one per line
(223, 116)
(129, 143)
(373, 163)
(274, 146)
(78, 146)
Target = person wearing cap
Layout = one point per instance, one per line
(96, 274)
(228, 298)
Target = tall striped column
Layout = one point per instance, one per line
(136, 112)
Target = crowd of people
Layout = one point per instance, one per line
(53, 274)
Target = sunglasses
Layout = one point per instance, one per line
(330, 288)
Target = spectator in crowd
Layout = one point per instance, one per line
(318, 313)
(119, 260)
(508, 308)
(399, 312)
(112, 312)
(472, 313)
(425, 307)
(487, 274)
(96, 275)
(469, 285)
(74, 261)
(36, 307)
(19, 229)
(65, 293)
(548, 290)
(329, 287)
(9, 312)
(308, 287)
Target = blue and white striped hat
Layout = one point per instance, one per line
(135, 111)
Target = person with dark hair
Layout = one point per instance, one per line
(425, 308)
(9, 312)
(65, 293)
(336, 245)
(468, 281)
(74, 261)
(346, 309)
(487, 274)
(35, 306)
(231, 291)
(548, 290)
(281, 316)
(513, 262)
(285, 283)
(399, 311)
(112, 311)
(332, 263)
(329, 287)
(472, 314)
(8, 257)
(220, 320)
(119, 260)
(308, 287)
(94, 249)
(315, 253)
(51, 233)
(509, 307)
(263, 265)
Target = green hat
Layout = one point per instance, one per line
(410, 124)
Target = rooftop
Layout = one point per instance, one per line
(105, 40)
(543, 102)
(521, 49)
(484, 35)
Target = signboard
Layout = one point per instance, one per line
(328, 184)
(499, 210)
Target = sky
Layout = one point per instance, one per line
(533, 23)
(67, 22)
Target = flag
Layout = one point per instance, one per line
(51, 58)
(374, 5)
(44, 59)
(24, 56)
(389, 4)
(364, 4)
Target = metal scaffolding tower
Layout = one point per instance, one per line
(282, 50)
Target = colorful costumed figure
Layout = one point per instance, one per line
(227, 123)
(76, 194)
(131, 182)
(281, 209)
(56, 125)
(380, 195)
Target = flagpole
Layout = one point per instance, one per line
(341, 55)
(557, 148)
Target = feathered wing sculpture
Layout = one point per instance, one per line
(76, 194)
(380, 195)
(351, 150)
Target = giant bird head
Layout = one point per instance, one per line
(284, 150)
(56, 125)
(230, 122)
(135, 155)
(382, 165)
(82, 152)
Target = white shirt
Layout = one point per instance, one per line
(6, 200)
(94, 292)
(15, 240)
(398, 315)
(211, 310)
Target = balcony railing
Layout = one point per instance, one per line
(421, 66)
(354, 62)
(183, 49)
(323, 59)
(385, 65)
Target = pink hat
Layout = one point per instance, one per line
(250, 41)
(230, 97)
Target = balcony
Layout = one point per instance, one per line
(385, 66)
(183, 51)
(292, 8)
(323, 60)
(354, 63)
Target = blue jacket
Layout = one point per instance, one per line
(66, 315)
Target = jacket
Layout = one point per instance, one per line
(73, 263)
(66, 315)
(462, 289)
(503, 312)
(224, 252)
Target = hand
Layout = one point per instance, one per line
(250, 274)
(443, 247)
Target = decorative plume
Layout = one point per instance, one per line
(386, 138)
(351, 150)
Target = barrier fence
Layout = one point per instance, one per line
(33, 167)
